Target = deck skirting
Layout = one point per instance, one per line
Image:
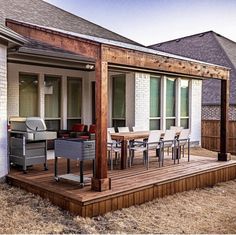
(115, 201)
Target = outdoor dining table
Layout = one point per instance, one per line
(124, 138)
(127, 136)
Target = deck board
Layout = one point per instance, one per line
(131, 186)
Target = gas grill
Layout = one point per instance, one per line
(28, 141)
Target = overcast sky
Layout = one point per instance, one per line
(153, 21)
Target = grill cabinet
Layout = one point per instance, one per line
(28, 142)
(74, 149)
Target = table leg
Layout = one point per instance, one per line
(123, 154)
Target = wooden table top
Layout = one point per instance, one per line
(130, 135)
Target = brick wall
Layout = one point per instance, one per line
(3, 111)
(195, 110)
(212, 112)
(142, 98)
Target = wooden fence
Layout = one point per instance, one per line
(211, 135)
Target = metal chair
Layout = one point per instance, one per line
(168, 141)
(112, 146)
(182, 140)
(153, 142)
(138, 128)
(123, 129)
(111, 130)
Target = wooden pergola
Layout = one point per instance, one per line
(107, 56)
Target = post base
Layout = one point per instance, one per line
(101, 184)
(224, 156)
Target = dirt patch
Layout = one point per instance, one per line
(210, 210)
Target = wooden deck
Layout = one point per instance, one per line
(131, 186)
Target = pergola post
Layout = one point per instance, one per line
(223, 155)
(101, 182)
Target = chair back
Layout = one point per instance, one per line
(184, 134)
(169, 135)
(138, 128)
(78, 127)
(154, 136)
(92, 129)
(123, 129)
(111, 130)
(109, 140)
(176, 128)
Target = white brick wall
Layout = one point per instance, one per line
(3, 111)
(195, 109)
(142, 98)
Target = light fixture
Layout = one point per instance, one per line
(89, 66)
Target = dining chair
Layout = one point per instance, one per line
(112, 147)
(182, 140)
(168, 141)
(123, 129)
(178, 129)
(138, 128)
(152, 143)
(111, 130)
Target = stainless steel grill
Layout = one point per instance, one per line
(28, 141)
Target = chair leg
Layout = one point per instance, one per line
(168, 151)
(183, 151)
(111, 160)
(147, 159)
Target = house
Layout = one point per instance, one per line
(213, 48)
(51, 62)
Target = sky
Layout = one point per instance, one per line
(153, 21)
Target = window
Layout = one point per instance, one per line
(28, 95)
(74, 101)
(118, 100)
(184, 103)
(170, 102)
(155, 95)
(52, 91)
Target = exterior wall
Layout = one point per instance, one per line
(13, 89)
(3, 111)
(142, 99)
(195, 110)
(212, 112)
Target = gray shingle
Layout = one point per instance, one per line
(209, 47)
(45, 14)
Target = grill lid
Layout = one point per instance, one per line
(27, 124)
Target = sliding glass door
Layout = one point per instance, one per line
(28, 95)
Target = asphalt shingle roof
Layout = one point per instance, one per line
(209, 47)
(45, 14)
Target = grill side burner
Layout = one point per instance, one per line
(28, 142)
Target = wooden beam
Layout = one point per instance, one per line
(101, 182)
(138, 59)
(223, 155)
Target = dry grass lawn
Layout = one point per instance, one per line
(210, 210)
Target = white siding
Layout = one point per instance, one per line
(195, 109)
(3, 111)
(142, 99)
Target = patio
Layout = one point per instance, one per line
(131, 186)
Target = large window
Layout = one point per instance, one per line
(74, 101)
(184, 103)
(52, 91)
(118, 100)
(28, 95)
(170, 102)
(155, 95)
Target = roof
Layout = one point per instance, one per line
(43, 49)
(46, 14)
(11, 36)
(113, 43)
(209, 47)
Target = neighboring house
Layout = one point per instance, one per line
(51, 73)
(212, 48)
